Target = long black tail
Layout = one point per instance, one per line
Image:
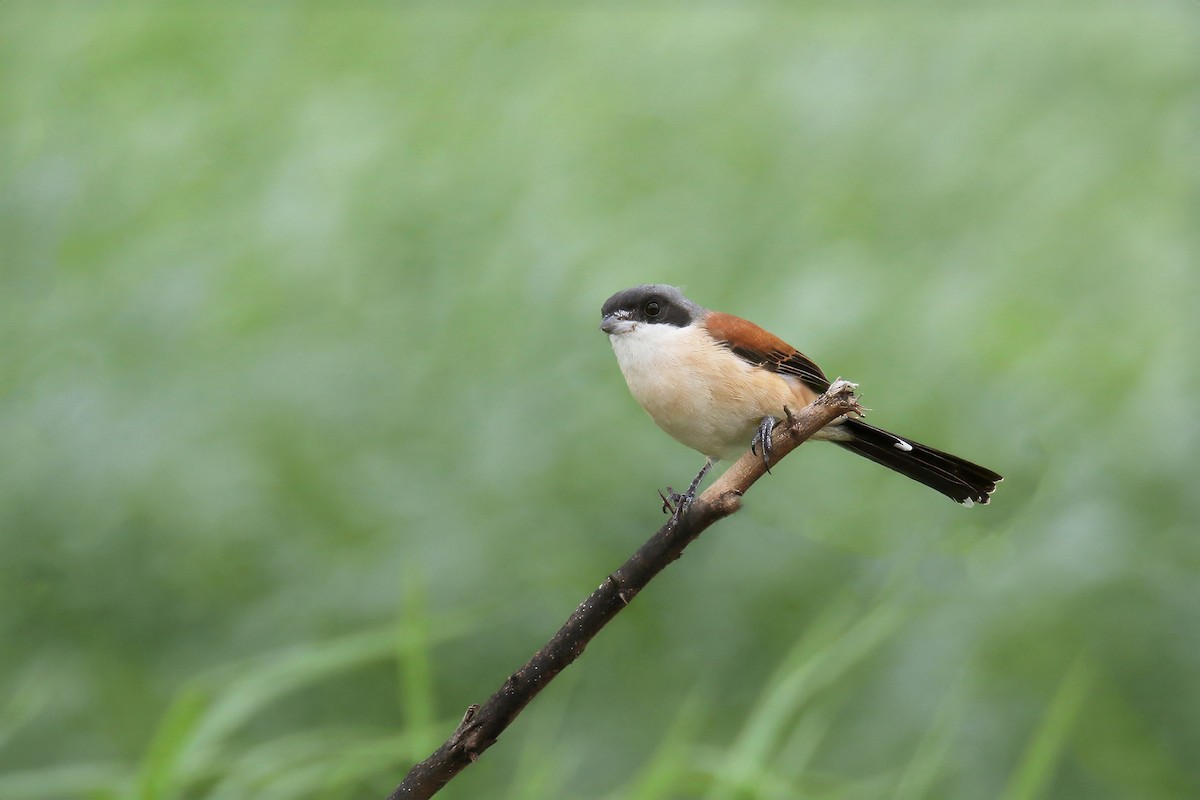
(957, 478)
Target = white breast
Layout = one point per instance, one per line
(698, 391)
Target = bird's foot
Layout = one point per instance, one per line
(677, 504)
(762, 440)
(671, 501)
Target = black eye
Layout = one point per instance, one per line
(653, 308)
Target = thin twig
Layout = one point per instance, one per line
(482, 725)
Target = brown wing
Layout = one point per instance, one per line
(764, 349)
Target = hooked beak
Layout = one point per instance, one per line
(617, 323)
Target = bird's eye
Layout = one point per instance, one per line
(653, 309)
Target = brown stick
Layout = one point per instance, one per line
(482, 725)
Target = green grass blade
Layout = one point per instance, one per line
(94, 781)
(930, 755)
(670, 771)
(1036, 770)
(831, 647)
(415, 661)
(160, 775)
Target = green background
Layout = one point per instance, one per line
(309, 437)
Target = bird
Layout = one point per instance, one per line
(719, 383)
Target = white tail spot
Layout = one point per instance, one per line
(900, 444)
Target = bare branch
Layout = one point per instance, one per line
(482, 725)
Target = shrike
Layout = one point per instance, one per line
(718, 384)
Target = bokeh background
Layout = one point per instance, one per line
(310, 438)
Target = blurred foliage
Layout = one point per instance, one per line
(310, 438)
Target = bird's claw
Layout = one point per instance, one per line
(675, 503)
(762, 440)
(670, 500)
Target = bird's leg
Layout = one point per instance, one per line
(763, 439)
(674, 503)
(691, 492)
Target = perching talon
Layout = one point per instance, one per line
(763, 439)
